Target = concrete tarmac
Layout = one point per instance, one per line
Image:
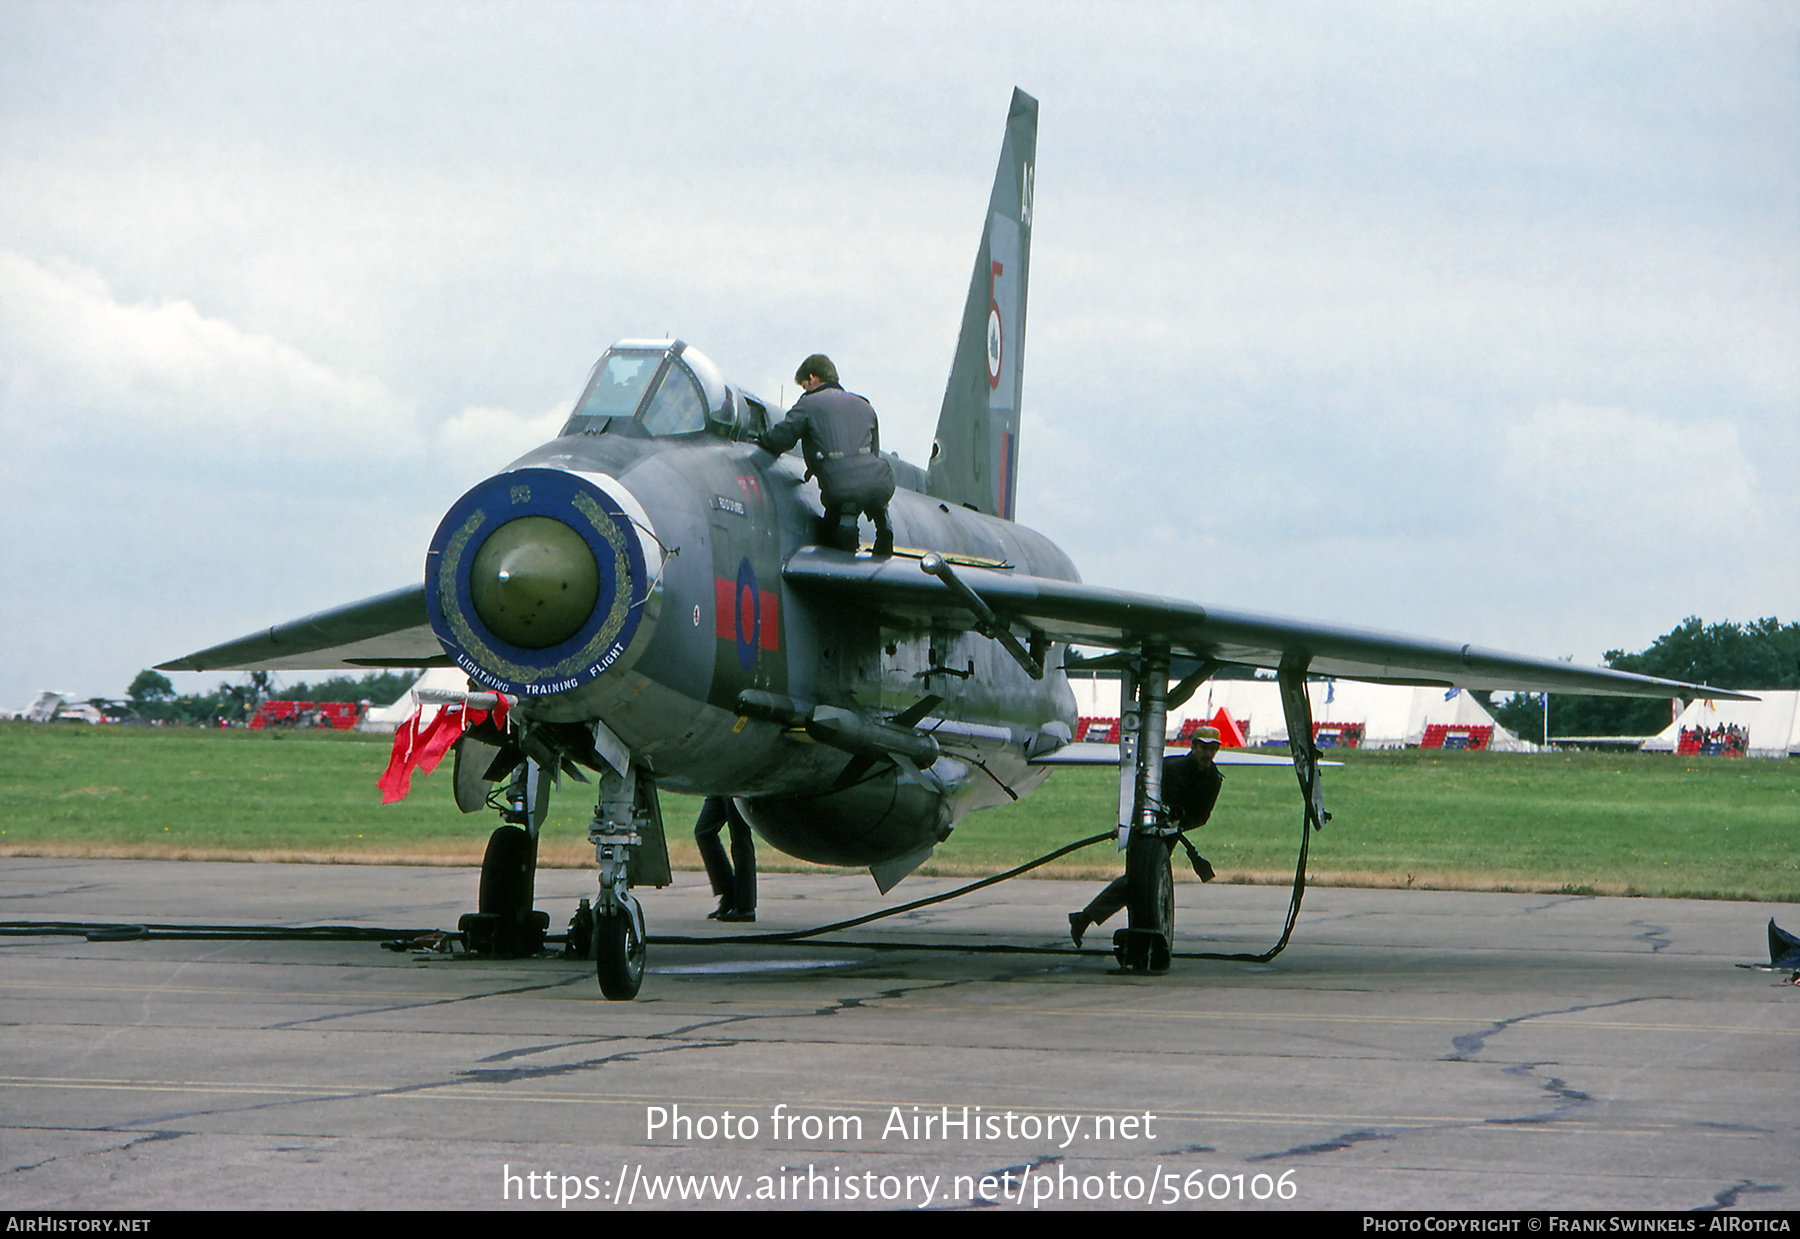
(1410, 1050)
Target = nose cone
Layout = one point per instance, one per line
(537, 580)
(534, 582)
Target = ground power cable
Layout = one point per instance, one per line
(809, 936)
(398, 938)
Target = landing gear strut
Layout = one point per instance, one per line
(1149, 880)
(626, 818)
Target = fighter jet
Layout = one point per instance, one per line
(647, 598)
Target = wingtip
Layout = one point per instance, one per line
(1706, 692)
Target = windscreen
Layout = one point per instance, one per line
(618, 384)
(678, 407)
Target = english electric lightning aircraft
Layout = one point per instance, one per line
(647, 596)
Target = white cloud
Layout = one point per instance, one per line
(80, 364)
(1609, 475)
(1621, 522)
(173, 479)
(481, 438)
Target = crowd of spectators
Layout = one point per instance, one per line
(1725, 740)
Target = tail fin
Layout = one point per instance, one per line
(974, 458)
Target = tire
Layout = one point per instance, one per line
(505, 926)
(618, 956)
(1150, 902)
(507, 869)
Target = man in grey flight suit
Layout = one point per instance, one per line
(841, 440)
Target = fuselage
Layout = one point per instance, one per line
(715, 517)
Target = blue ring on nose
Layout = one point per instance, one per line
(566, 497)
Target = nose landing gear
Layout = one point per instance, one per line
(626, 817)
(619, 951)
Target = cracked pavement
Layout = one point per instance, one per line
(1412, 1049)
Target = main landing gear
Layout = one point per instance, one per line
(1145, 699)
(505, 924)
(1144, 946)
(1149, 903)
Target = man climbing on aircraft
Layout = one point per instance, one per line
(841, 440)
(1190, 789)
(733, 878)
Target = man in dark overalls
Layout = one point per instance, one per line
(733, 879)
(841, 440)
(1190, 789)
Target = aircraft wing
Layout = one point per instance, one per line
(899, 589)
(388, 630)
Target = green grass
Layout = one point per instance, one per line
(1637, 824)
(70, 789)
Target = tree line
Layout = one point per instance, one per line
(1763, 654)
(153, 699)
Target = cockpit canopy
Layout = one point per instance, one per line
(662, 388)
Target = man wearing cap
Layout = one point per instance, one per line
(1190, 789)
(841, 440)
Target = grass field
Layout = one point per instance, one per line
(1587, 823)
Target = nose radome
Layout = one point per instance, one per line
(538, 580)
(534, 582)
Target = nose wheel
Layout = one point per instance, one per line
(619, 952)
(626, 818)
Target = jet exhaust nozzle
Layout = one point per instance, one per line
(536, 581)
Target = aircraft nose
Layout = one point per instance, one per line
(537, 578)
(534, 582)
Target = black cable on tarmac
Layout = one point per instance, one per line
(402, 939)
(798, 936)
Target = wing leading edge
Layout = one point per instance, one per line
(388, 630)
(1079, 614)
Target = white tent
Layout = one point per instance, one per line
(1773, 723)
(436, 679)
(44, 708)
(1392, 716)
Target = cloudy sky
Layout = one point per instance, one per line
(1476, 321)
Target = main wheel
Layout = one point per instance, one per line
(618, 956)
(505, 925)
(507, 869)
(1149, 901)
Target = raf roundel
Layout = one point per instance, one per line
(746, 611)
(996, 344)
(535, 582)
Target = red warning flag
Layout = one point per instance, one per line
(420, 746)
